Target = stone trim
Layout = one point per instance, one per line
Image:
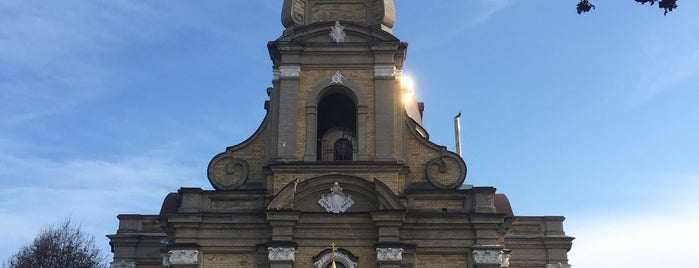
(385, 71)
(276, 74)
(290, 71)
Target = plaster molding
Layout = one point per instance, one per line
(336, 201)
(487, 256)
(337, 32)
(181, 257)
(337, 78)
(323, 261)
(505, 260)
(281, 254)
(389, 254)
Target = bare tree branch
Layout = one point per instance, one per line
(63, 245)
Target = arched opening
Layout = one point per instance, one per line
(343, 259)
(337, 128)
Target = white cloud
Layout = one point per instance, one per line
(50, 60)
(653, 239)
(657, 233)
(37, 192)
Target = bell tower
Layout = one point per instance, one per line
(338, 104)
(336, 94)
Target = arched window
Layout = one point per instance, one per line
(343, 259)
(337, 121)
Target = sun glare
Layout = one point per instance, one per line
(407, 85)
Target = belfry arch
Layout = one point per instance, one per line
(336, 122)
(336, 128)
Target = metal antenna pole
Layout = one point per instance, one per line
(457, 132)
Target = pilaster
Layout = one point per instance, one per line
(288, 112)
(386, 106)
(282, 223)
(388, 224)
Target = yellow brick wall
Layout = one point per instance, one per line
(418, 156)
(227, 261)
(254, 154)
(442, 260)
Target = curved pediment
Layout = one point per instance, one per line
(443, 169)
(336, 193)
(320, 32)
(238, 167)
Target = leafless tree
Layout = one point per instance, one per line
(60, 246)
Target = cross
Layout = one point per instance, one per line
(332, 245)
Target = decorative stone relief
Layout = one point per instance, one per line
(505, 260)
(122, 264)
(336, 79)
(289, 71)
(452, 174)
(338, 256)
(298, 10)
(281, 254)
(385, 71)
(337, 32)
(227, 173)
(389, 254)
(336, 201)
(487, 256)
(166, 259)
(559, 265)
(182, 256)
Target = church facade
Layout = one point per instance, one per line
(340, 173)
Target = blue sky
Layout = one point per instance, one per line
(106, 106)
